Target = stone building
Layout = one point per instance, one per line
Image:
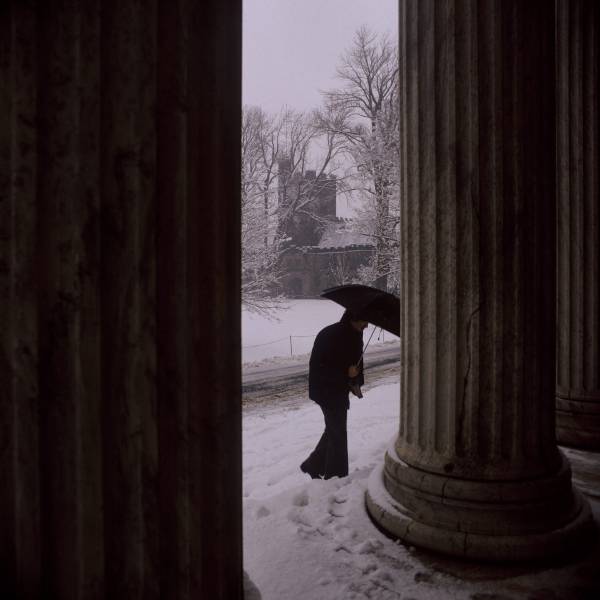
(306, 204)
(119, 133)
(320, 251)
(334, 260)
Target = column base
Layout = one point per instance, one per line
(578, 421)
(508, 521)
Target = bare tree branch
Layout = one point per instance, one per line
(363, 112)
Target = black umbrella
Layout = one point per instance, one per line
(368, 304)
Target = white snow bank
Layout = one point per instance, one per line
(268, 338)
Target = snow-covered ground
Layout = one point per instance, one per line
(308, 539)
(267, 339)
(313, 540)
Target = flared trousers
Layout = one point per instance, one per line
(330, 456)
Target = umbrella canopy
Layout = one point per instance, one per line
(369, 304)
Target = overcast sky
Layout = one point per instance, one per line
(291, 47)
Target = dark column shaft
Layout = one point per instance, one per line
(120, 419)
(478, 263)
(478, 235)
(578, 291)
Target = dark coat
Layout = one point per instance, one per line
(336, 348)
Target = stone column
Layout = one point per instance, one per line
(120, 410)
(475, 470)
(578, 122)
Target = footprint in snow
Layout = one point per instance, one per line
(300, 499)
(369, 568)
(298, 517)
(339, 499)
(336, 514)
(369, 547)
(336, 505)
(262, 512)
(343, 535)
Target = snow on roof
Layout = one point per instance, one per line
(341, 238)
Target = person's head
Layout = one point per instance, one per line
(358, 324)
(354, 321)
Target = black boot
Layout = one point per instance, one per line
(305, 469)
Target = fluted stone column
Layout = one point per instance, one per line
(120, 411)
(475, 470)
(578, 290)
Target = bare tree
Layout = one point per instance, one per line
(363, 111)
(260, 241)
(340, 268)
(277, 152)
(369, 74)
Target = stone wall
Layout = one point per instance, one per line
(308, 271)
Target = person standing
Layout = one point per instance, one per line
(335, 369)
